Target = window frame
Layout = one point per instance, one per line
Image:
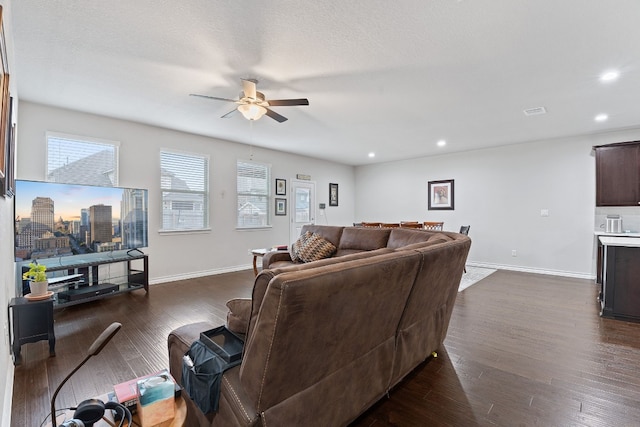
(88, 140)
(206, 226)
(267, 196)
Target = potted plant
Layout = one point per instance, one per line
(37, 278)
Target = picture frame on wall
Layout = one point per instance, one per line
(333, 194)
(281, 187)
(440, 195)
(281, 206)
(4, 107)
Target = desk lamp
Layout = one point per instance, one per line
(95, 348)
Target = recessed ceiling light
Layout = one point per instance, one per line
(601, 118)
(372, 154)
(442, 143)
(609, 76)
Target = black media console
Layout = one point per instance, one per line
(81, 278)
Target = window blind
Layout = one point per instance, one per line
(74, 160)
(185, 191)
(253, 192)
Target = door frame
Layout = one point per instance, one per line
(293, 225)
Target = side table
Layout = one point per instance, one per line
(32, 322)
(257, 253)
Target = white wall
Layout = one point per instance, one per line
(7, 287)
(500, 193)
(179, 255)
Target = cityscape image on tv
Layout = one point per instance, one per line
(53, 220)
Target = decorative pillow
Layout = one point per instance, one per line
(297, 245)
(315, 248)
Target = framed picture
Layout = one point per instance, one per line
(281, 206)
(440, 195)
(333, 194)
(4, 107)
(281, 187)
(10, 180)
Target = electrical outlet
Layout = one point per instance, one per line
(514, 253)
(544, 212)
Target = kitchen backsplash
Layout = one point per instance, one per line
(630, 217)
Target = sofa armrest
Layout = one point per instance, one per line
(238, 315)
(274, 256)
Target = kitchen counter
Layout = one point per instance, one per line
(623, 234)
(619, 264)
(614, 240)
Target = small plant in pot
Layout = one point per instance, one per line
(37, 278)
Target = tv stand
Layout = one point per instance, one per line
(82, 278)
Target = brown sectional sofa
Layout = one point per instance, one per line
(325, 340)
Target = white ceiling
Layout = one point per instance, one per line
(386, 77)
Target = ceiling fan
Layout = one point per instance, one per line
(253, 105)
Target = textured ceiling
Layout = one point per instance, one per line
(386, 77)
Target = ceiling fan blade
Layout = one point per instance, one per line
(213, 97)
(285, 102)
(230, 114)
(275, 116)
(249, 88)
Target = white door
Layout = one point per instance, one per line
(303, 211)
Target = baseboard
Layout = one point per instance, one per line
(533, 270)
(196, 274)
(215, 271)
(8, 395)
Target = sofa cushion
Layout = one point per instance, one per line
(331, 233)
(315, 248)
(400, 238)
(363, 239)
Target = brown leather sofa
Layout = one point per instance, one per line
(325, 340)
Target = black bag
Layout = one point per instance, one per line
(202, 371)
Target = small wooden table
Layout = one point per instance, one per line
(178, 420)
(257, 253)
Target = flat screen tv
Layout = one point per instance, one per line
(53, 219)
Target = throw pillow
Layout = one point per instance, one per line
(315, 248)
(297, 245)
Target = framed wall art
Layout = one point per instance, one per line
(281, 206)
(281, 187)
(333, 194)
(440, 195)
(4, 106)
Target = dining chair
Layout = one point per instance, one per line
(390, 224)
(430, 225)
(465, 230)
(411, 224)
(370, 224)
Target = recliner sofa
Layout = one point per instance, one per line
(326, 339)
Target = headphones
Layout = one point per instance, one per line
(91, 411)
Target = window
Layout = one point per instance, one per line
(80, 160)
(184, 181)
(253, 194)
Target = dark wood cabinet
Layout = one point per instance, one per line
(618, 174)
(32, 322)
(621, 283)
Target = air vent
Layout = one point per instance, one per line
(535, 111)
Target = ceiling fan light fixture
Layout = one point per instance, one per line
(252, 111)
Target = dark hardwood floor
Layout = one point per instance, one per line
(522, 350)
